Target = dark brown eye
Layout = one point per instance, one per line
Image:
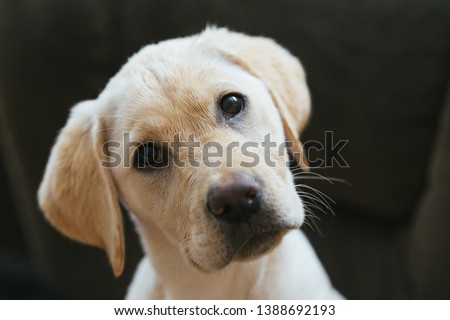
(232, 104)
(151, 156)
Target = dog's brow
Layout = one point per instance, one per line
(147, 134)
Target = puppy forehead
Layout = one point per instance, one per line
(177, 91)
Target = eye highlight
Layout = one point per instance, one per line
(231, 105)
(151, 156)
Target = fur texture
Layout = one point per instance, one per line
(171, 89)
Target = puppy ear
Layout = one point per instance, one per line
(77, 194)
(280, 71)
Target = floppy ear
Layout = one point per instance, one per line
(280, 71)
(77, 194)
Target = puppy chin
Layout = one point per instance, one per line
(209, 267)
(259, 244)
(255, 246)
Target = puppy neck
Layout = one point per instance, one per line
(174, 277)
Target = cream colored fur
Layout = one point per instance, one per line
(172, 88)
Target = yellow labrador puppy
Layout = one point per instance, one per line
(193, 137)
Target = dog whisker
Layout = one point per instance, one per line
(318, 206)
(317, 176)
(319, 193)
(329, 179)
(309, 195)
(316, 227)
(317, 197)
(310, 222)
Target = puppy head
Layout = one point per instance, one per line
(173, 137)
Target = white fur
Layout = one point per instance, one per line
(291, 271)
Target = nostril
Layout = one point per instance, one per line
(251, 192)
(214, 204)
(235, 198)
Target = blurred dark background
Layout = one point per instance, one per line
(378, 71)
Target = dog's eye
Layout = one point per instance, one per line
(232, 104)
(151, 156)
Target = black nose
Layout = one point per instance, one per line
(235, 198)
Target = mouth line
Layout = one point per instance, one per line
(260, 236)
(258, 244)
(261, 229)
